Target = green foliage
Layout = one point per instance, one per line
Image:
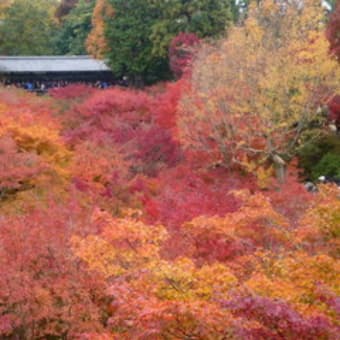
(329, 165)
(140, 33)
(317, 156)
(75, 27)
(130, 46)
(27, 28)
(204, 17)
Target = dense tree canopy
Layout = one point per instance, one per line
(74, 28)
(110, 230)
(140, 32)
(155, 213)
(130, 46)
(206, 18)
(27, 28)
(134, 36)
(256, 93)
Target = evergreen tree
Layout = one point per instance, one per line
(75, 27)
(130, 44)
(139, 34)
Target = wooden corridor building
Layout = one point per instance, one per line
(54, 68)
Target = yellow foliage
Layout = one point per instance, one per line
(264, 176)
(36, 141)
(320, 226)
(181, 280)
(130, 248)
(295, 278)
(125, 245)
(256, 92)
(325, 214)
(37, 137)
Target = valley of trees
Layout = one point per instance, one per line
(175, 208)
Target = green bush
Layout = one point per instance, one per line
(329, 165)
(321, 156)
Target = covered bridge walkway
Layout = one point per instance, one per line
(53, 70)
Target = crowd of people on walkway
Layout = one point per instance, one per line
(42, 86)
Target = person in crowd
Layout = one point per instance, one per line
(44, 85)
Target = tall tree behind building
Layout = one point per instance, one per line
(74, 28)
(139, 34)
(27, 27)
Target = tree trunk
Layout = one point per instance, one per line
(280, 168)
(280, 171)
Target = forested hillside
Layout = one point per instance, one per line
(178, 210)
